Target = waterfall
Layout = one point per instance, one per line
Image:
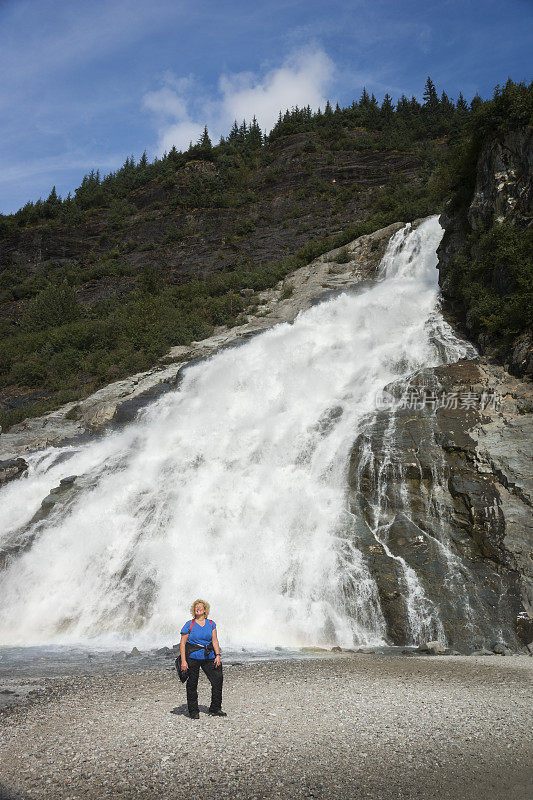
(231, 487)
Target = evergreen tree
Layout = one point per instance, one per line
(233, 136)
(52, 203)
(446, 105)
(461, 104)
(204, 141)
(243, 132)
(255, 137)
(387, 109)
(476, 102)
(431, 100)
(402, 107)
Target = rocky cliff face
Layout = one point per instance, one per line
(504, 186)
(444, 497)
(503, 193)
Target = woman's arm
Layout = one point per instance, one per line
(184, 665)
(216, 647)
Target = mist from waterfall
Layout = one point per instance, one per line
(231, 487)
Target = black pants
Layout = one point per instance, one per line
(214, 675)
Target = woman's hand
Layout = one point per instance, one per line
(184, 666)
(217, 661)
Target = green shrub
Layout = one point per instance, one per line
(55, 305)
(287, 291)
(496, 285)
(342, 257)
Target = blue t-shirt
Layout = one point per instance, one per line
(200, 634)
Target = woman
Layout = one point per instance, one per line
(199, 647)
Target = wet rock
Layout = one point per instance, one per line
(134, 653)
(432, 648)
(524, 627)
(501, 649)
(163, 651)
(456, 508)
(59, 494)
(12, 468)
(482, 652)
(49, 502)
(336, 649)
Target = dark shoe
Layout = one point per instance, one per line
(194, 715)
(217, 713)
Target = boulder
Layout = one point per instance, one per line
(12, 468)
(432, 648)
(48, 502)
(501, 649)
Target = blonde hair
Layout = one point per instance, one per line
(205, 605)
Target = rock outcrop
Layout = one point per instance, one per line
(487, 452)
(453, 489)
(504, 185)
(12, 468)
(503, 192)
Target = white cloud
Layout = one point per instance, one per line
(166, 103)
(301, 81)
(181, 112)
(180, 135)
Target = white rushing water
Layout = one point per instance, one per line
(231, 487)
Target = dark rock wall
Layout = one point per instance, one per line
(444, 492)
(504, 185)
(503, 193)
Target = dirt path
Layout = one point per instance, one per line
(365, 726)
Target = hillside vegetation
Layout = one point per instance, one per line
(491, 275)
(98, 285)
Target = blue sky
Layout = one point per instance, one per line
(86, 84)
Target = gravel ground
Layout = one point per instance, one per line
(364, 726)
